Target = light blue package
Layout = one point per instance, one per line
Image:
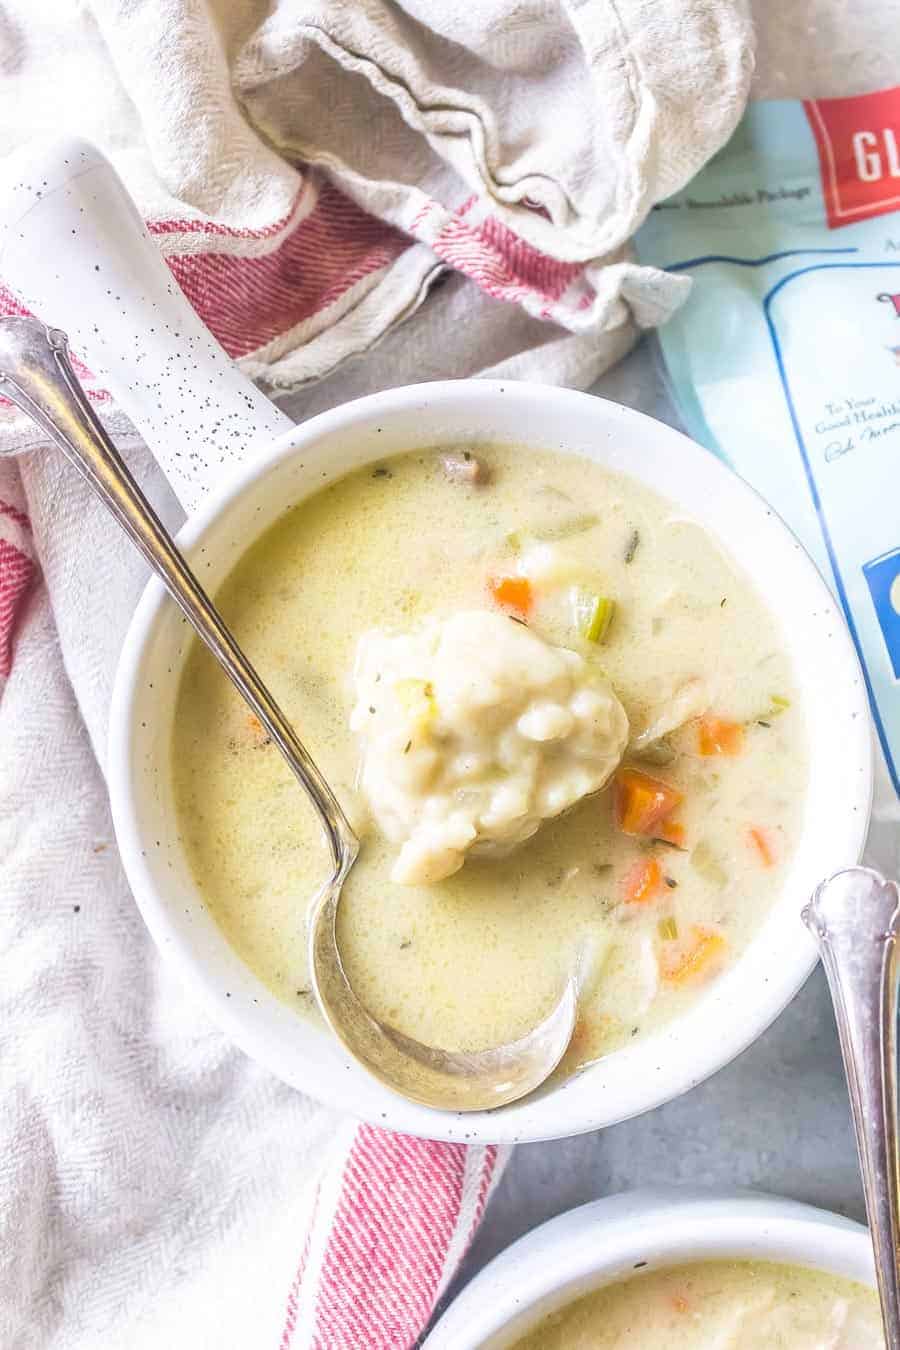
(785, 359)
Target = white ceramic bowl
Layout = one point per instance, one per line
(586, 1248)
(109, 289)
(739, 1005)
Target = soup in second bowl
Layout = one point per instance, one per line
(717, 1305)
(562, 722)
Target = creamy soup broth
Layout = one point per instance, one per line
(717, 1305)
(477, 957)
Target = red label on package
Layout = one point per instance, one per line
(858, 140)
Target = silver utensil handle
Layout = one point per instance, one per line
(855, 917)
(37, 375)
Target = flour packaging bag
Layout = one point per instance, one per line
(785, 359)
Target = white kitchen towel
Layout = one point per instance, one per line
(521, 145)
(308, 170)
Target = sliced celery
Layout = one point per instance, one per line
(704, 861)
(564, 529)
(550, 532)
(596, 614)
(777, 705)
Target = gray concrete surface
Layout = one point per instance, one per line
(777, 1118)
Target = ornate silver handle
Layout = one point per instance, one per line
(36, 374)
(855, 917)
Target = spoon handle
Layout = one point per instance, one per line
(36, 374)
(854, 917)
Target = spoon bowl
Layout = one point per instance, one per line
(37, 375)
(455, 1080)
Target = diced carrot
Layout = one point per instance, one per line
(513, 593)
(580, 1035)
(715, 736)
(642, 881)
(672, 831)
(694, 959)
(641, 802)
(680, 1303)
(257, 730)
(761, 840)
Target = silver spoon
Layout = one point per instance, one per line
(36, 374)
(855, 918)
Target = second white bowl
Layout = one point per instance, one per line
(597, 1244)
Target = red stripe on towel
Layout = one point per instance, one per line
(16, 572)
(402, 1221)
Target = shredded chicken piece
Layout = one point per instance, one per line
(692, 699)
(647, 971)
(465, 468)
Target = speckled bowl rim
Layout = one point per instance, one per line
(745, 1000)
